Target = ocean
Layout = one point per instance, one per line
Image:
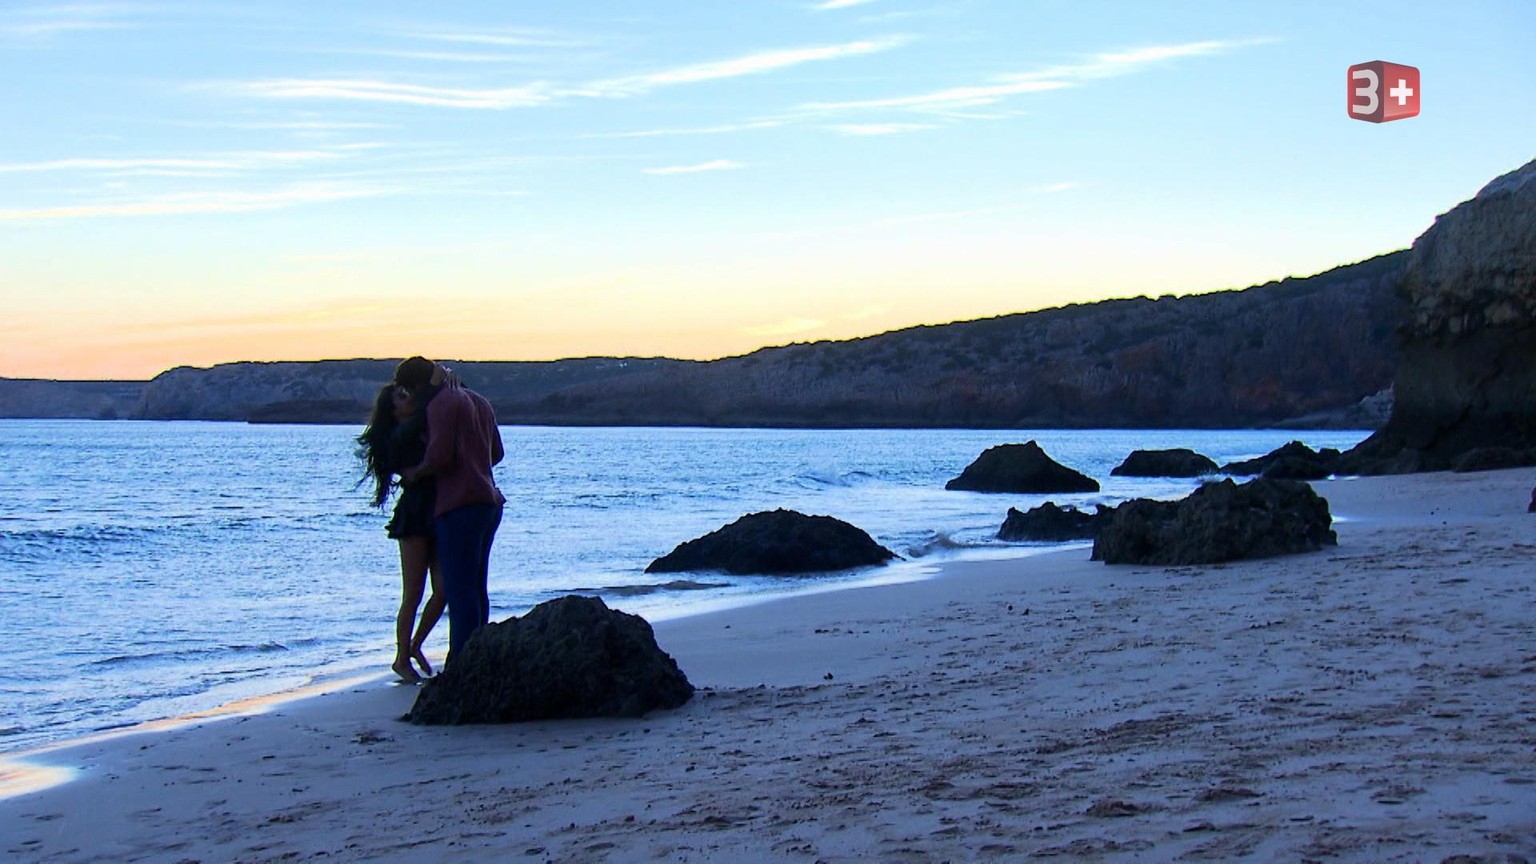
(150, 570)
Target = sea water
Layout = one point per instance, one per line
(154, 569)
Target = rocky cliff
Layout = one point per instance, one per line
(1288, 349)
(342, 391)
(1467, 379)
(1234, 358)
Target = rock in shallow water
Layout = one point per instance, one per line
(1292, 461)
(1178, 462)
(1020, 468)
(1053, 524)
(779, 542)
(1218, 522)
(567, 658)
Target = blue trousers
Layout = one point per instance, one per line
(464, 537)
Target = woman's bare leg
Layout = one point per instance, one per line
(415, 555)
(429, 615)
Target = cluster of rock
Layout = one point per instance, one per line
(1218, 522)
(1224, 521)
(568, 658)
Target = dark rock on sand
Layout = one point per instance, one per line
(567, 658)
(1050, 523)
(1178, 462)
(1293, 468)
(1218, 522)
(1531, 508)
(1467, 378)
(776, 543)
(1294, 454)
(1493, 459)
(1020, 468)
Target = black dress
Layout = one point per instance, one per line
(414, 506)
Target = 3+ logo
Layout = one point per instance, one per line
(1380, 91)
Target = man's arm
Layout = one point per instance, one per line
(492, 431)
(497, 451)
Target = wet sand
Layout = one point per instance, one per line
(1373, 702)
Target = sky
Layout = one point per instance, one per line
(191, 183)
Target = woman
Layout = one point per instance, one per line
(396, 439)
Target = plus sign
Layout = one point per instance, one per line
(1401, 92)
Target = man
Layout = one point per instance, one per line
(463, 444)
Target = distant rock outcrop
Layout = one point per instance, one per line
(1290, 461)
(1049, 523)
(83, 400)
(1178, 462)
(780, 542)
(1218, 522)
(342, 391)
(1468, 373)
(1020, 468)
(567, 658)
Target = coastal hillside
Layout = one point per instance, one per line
(342, 391)
(46, 400)
(1236, 358)
(1306, 347)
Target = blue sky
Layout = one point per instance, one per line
(190, 183)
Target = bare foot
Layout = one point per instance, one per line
(421, 659)
(407, 674)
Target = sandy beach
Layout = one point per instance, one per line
(1373, 702)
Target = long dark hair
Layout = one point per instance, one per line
(373, 445)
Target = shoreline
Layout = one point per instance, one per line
(15, 764)
(1369, 702)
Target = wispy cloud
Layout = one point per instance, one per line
(51, 20)
(839, 4)
(300, 125)
(697, 130)
(750, 64)
(436, 56)
(410, 94)
(539, 93)
(235, 161)
(198, 203)
(716, 165)
(1002, 87)
(953, 97)
(506, 38)
(871, 129)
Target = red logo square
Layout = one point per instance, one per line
(1380, 91)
